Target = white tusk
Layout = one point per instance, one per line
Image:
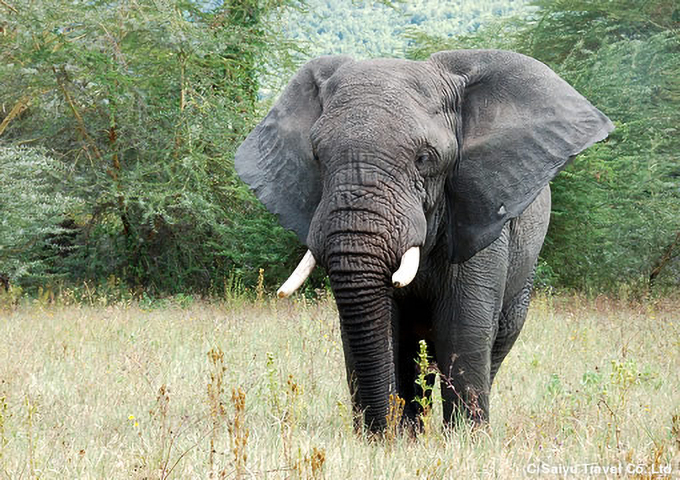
(298, 277)
(408, 268)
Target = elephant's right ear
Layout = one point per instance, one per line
(276, 160)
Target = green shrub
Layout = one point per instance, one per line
(37, 211)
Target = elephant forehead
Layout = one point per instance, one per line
(389, 105)
(394, 82)
(366, 128)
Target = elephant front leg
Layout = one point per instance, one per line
(465, 366)
(465, 328)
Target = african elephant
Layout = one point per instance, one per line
(422, 189)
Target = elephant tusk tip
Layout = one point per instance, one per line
(408, 268)
(281, 294)
(298, 277)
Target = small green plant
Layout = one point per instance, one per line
(425, 382)
(346, 416)
(233, 288)
(183, 300)
(591, 378)
(625, 374)
(554, 386)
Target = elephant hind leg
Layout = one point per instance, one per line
(510, 323)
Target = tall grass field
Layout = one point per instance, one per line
(256, 389)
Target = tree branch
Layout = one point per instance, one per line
(16, 110)
(10, 7)
(664, 259)
(79, 119)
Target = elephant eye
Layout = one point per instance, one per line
(422, 159)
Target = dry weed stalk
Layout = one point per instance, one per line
(318, 458)
(311, 466)
(393, 417)
(3, 419)
(675, 430)
(217, 409)
(161, 414)
(259, 289)
(290, 416)
(238, 431)
(31, 413)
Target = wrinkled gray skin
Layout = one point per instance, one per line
(365, 159)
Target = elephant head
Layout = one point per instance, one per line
(375, 164)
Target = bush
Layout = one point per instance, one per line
(36, 207)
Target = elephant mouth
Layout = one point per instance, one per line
(403, 276)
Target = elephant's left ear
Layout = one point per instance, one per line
(521, 123)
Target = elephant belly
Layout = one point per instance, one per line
(414, 318)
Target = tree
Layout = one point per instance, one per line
(144, 103)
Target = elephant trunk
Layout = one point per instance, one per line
(363, 293)
(365, 224)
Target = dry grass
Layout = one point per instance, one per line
(238, 390)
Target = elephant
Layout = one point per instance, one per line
(422, 188)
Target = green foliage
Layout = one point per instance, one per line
(119, 121)
(616, 208)
(36, 202)
(618, 212)
(144, 103)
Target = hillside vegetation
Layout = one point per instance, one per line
(367, 29)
